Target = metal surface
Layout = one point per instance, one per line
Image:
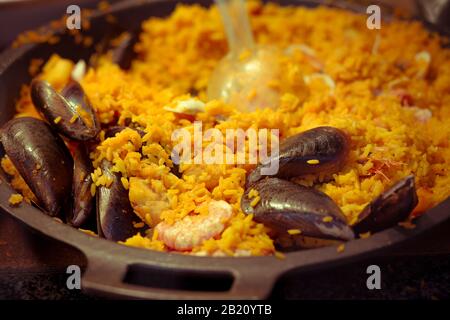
(120, 271)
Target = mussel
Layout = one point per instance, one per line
(69, 112)
(113, 130)
(115, 215)
(319, 150)
(42, 159)
(118, 44)
(388, 209)
(285, 205)
(123, 53)
(83, 200)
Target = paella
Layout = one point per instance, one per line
(362, 131)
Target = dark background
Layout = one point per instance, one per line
(33, 267)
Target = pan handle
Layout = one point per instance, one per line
(117, 279)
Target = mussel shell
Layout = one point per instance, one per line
(123, 54)
(328, 145)
(175, 170)
(118, 44)
(113, 130)
(115, 215)
(52, 105)
(42, 159)
(83, 200)
(388, 209)
(285, 205)
(75, 95)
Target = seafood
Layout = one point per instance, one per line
(112, 131)
(115, 216)
(147, 203)
(319, 150)
(289, 208)
(83, 200)
(122, 54)
(118, 45)
(70, 112)
(191, 231)
(79, 71)
(388, 209)
(285, 205)
(42, 159)
(188, 106)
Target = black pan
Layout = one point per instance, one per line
(119, 271)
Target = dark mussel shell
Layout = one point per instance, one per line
(74, 93)
(176, 170)
(123, 53)
(115, 216)
(285, 205)
(328, 145)
(119, 45)
(71, 104)
(388, 209)
(42, 159)
(113, 130)
(83, 200)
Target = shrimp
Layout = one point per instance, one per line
(381, 166)
(191, 231)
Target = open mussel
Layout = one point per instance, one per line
(115, 215)
(42, 159)
(319, 150)
(69, 112)
(285, 205)
(83, 200)
(388, 209)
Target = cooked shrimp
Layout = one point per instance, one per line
(191, 231)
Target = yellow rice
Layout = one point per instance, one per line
(15, 199)
(362, 69)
